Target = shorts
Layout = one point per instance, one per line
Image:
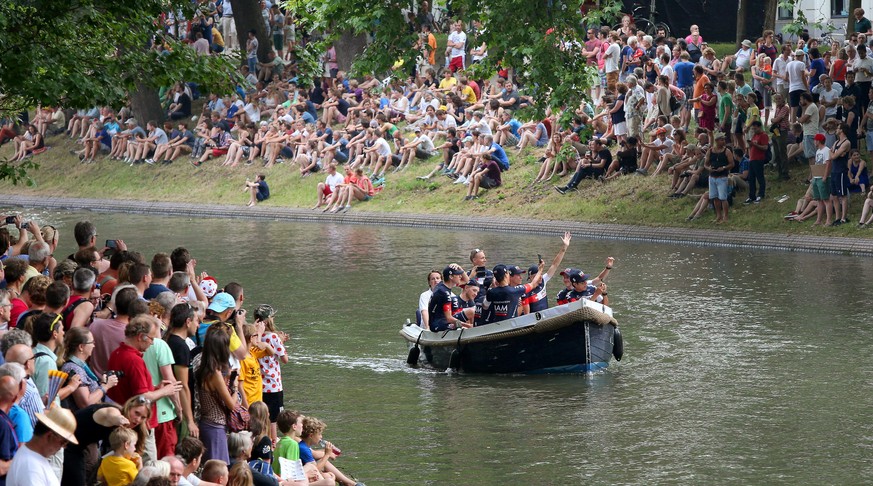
(513, 140)
(246, 150)
(869, 139)
(839, 184)
(218, 152)
(456, 63)
(326, 190)
(340, 118)
(689, 93)
(794, 98)
(488, 183)
(620, 129)
(460, 316)
(333, 72)
(819, 189)
(260, 196)
(422, 154)
(367, 197)
(106, 148)
(718, 188)
(286, 152)
(275, 404)
(809, 146)
(341, 157)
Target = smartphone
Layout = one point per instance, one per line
(112, 244)
(10, 219)
(24, 226)
(539, 258)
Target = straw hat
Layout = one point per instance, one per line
(61, 421)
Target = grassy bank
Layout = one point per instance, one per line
(633, 200)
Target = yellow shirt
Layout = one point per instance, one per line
(250, 373)
(468, 94)
(447, 83)
(217, 38)
(117, 470)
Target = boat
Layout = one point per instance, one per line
(578, 337)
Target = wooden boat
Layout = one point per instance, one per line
(578, 337)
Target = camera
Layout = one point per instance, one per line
(119, 374)
(10, 219)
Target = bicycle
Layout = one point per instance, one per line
(832, 33)
(441, 21)
(649, 24)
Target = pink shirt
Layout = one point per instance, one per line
(108, 335)
(690, 40)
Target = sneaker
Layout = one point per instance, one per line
(460, 180)
(280, 160)
(561, 190)
(757, 200)
(748, 201)
(150, 161)
(422, 178)
(642, 171)
(791, 215)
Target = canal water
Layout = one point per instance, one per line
(740, 366)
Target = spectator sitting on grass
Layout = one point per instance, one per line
(486, 176)
(258, 189)
(421, 147)
(625, 160)
(361, 190)
(591, 166)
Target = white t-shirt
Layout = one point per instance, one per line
(810, 128)
(861, 76)
(424, 300)
(668, 71)
(30, 469)
(828, 96)
(401, 104)
(795, 71)
(424, 143)
(382, 147)
(458, 37)
(779, 66)
(611, 63)
(252, 112)
(822, 155)
(449, 122)
(333, 180)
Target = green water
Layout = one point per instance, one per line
(740, 366)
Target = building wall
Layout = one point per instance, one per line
(821, 11)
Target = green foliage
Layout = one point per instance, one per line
(800, 21)
(539, 39)
(90, 52)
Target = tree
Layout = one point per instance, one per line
(89, 52)
(538, 39)
(742, 12)
(247, 16)
(770, 8)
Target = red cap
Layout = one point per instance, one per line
(819, 137)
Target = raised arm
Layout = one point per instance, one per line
(556, 263)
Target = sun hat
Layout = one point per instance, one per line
(221, 302)
(747, 43)
(61, 421)
(209, 286)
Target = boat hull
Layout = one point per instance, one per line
(575, 338)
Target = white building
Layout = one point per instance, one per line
(828, 12)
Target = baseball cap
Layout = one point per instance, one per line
(533, 269)
(472, 283)
(569, 271)
(417, 129)
(799, 53)
(516, 270)
(449, 270)
(579, 277)
(499, 272)
(221, 302)
(264, 311)
(131, 121)
(819, 137)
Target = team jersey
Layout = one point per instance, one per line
(563, 296)
(442, 300)
(501, 303)
(575, 295)
(537, 299)
(484, 277)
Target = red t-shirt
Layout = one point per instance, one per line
(754, 152)
(137, 379)
(18, 308)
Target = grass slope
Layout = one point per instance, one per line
(632, 200)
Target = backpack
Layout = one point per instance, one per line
(694, 52)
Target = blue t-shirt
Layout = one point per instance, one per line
(684, 74)
(499, 155)
(263, 190)
(105, 137)
(502, 302)
(153, 291)
(816, 69)
(307, 117)
(514, 125)
(305, 454)
(544, 134)
(21, 422)
(8, 441)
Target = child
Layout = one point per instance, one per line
(262, 449)
(290, 424)
(121, 466)
(250, 370)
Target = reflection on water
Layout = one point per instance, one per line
(740, 366)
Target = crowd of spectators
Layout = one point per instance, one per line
(661, 106)
(145, 372)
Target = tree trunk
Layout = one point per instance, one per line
(146, 105)
(850, 22)
(247, 16)
(348, 48)
(742, 11)
(770, 8)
